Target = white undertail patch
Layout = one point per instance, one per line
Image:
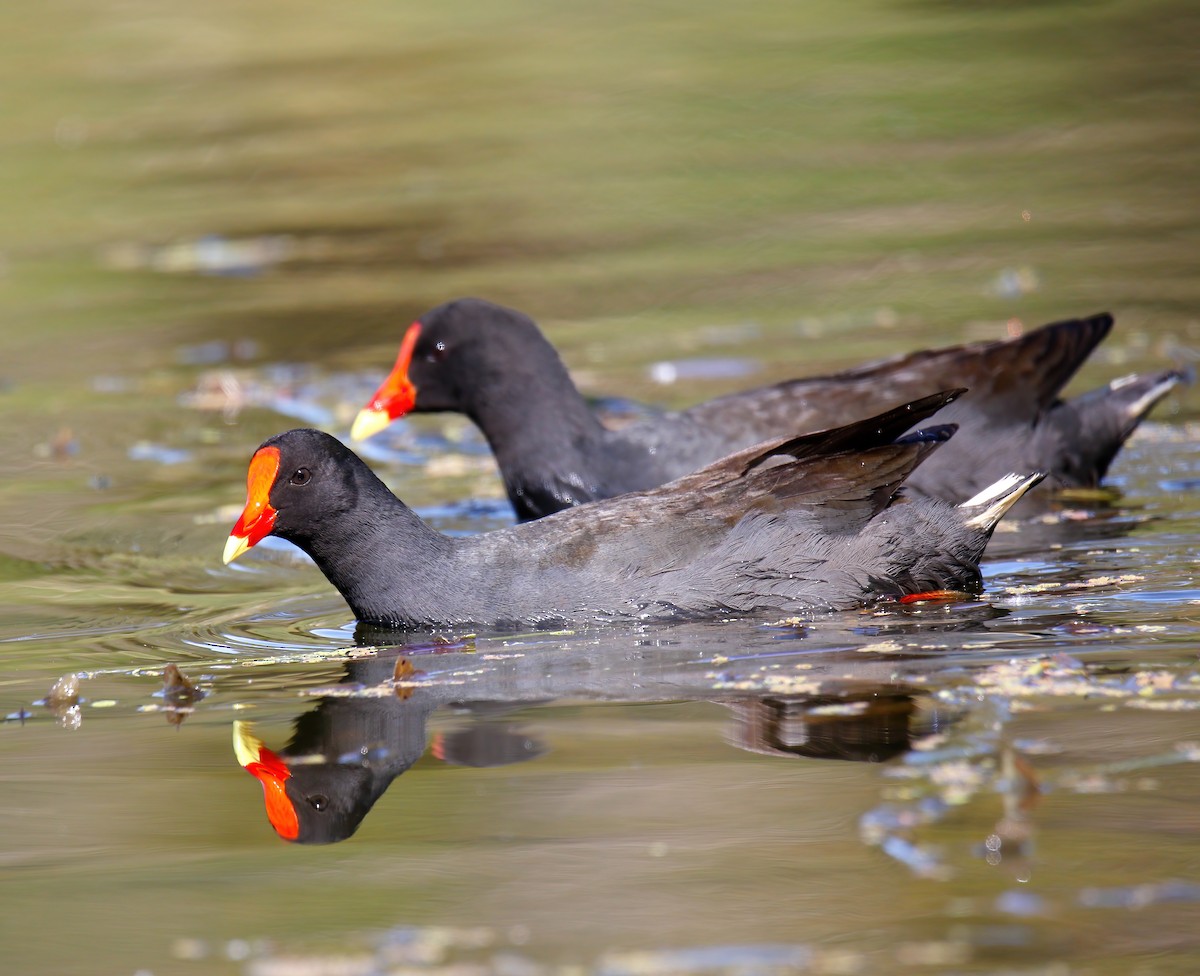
(998, 498)
(994, 490)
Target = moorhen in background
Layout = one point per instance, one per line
(824, 529)
(493, 364)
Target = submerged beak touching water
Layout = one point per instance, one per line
(258, 517)
(395, 397)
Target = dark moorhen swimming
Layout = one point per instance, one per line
(809, 523)
(493, 364)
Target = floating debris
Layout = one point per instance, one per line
(1064, 676)
(63, 701)
(64, 692)
(776, 683)
(1098, 581)
(404, 676)
(1166, 705)
(883, 647)
(180, 695)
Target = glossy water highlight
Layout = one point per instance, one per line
(219, 221)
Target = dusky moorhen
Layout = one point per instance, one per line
(815, 522)
(493, 364)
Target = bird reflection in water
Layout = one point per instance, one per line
(345, 752)
(869, 724)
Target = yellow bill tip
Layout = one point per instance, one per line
(368, 423)
(246, 745)
(235, 545)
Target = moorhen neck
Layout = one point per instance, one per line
(493, 364)
(809, 523)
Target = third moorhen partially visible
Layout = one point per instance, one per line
(808, 523)
(493, 364)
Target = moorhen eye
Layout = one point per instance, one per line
(301, 477)
(318, 801)
(438, 353)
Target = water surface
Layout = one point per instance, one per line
(219, 220)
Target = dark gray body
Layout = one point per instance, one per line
(825, 530)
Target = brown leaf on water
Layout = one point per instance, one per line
(443, 644)
(63, 701)
(404, 677)
(64, 692)
(180, 695)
